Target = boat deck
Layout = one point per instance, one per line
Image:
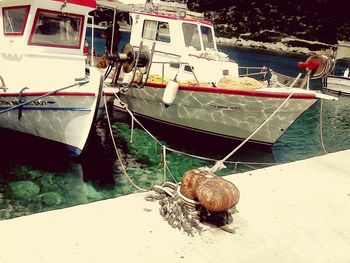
(296, 212)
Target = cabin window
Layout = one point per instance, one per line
(191, 36)
(15, 19)
(57, 29)
(188, 68)
(156, 30)
(174, 65)
(207, 36)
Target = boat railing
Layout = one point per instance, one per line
(251, 71)
(265, 73)
(2, 84)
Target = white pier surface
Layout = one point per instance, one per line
(296, 212)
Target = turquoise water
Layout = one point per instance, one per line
(33, 179)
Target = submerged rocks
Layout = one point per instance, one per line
(51, 199)
(24, 190)
(2, 200)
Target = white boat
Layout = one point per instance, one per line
(45, 88)
(187, 82)
(339, 80)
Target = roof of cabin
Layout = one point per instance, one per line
(175, 17)
(166, 8)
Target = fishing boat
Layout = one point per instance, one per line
(185, 81)
(46, 88)
(339, 80)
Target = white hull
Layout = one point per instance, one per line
(64, 117)
(221, 112)
(183, 68)
(338, 84)
(44, 88)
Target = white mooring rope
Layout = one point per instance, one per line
(165, 148)
(117, 151)
(220, 164)
(321, 128)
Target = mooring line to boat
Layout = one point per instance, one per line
(117, 151)
(132, 130)
(43, 96)
(321, 127)
(220, 164)
(248, 164)
(153, 137)
(165, 148)
(165, 165)
(125, 106)
(134, 119)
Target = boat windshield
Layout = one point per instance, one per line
(194, 39)
(14, 19)
(207, 36)
(57, 30)
(156, 30)
(191, 35)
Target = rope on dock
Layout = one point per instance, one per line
(177, 212)
(188, 215)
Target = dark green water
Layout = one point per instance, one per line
(36, 177)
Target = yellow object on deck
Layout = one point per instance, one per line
(239, 83)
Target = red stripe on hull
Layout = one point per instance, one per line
(254, 93)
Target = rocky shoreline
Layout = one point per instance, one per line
(288, 45)
(280, 47)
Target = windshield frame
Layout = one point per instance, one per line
(208, 40)
(194, 36)
(35, 26)
(192, 39)
(26, 9)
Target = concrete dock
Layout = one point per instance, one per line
(296, 212)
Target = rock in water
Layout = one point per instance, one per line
(51, 199)
(213, 192)
(24, 190)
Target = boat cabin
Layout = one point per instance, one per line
(41, 42)
(183, 39)
(172, 34)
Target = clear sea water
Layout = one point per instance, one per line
(35, 176)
